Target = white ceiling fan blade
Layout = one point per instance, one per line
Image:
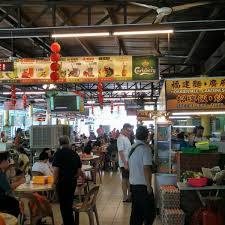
(190, 5)
(158, 18)
(144, 5)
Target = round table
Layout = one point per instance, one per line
(90, 158)
(9, 219)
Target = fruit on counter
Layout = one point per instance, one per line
(1, 75)
(191, 174)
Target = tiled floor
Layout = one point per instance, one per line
(111, 209)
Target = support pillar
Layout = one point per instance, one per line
(6, 117)
(205, 122)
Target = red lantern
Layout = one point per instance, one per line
(54, 76)
(111, 107)
(13, 95)
(24, 101)
(54, 66)
(55, 47)
(92, 109)
(55, 57)
(100, 87)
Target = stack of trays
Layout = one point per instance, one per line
(173, 217)
(170, 211)
(169, 197)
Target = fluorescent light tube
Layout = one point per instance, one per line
(180, 117)
(183, 126)
(119, 33)
(199, 113)
(99, 34)
(26, 93)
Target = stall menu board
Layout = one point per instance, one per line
(143, 115)
(84, 69)
(195, 94)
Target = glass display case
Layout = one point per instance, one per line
(163, 147)
(163, 157)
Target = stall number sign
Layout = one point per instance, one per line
(6, 66)
(195, 94)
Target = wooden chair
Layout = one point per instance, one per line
(88, 206)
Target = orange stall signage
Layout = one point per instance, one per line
(195, 94)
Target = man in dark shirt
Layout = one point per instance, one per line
(66, 165)
(8, 203)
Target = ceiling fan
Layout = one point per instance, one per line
(165, 11)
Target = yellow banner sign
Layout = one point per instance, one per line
(83, 69)
(195, 94)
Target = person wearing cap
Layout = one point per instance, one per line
(8, 203)
(42, 165)
(140, 161)
(124, 145)
(66, 166)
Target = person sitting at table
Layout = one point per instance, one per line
(8, 203)
(42, 165)
(88, 148)
(23, 161)
(50, 153)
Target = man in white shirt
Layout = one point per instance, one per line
(42, 165)
(140, 161)
(124, 145)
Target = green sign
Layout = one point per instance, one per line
(145, 68)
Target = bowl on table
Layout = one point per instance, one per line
(197, 182)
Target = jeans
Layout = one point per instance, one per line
(143, 206)
(65, 192)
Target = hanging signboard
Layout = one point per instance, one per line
(144, 115)
(84, 69)
(195, 94)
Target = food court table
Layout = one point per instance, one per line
(93, 157)
(9, 219)
(33, 188)
(185, 187)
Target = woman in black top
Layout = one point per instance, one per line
(88, 148)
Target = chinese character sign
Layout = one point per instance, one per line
(195, 94)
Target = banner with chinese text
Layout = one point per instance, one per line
(195, 94)
(84, 70)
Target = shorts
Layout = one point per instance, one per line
(125, 173)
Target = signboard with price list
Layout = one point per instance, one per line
(195, 94)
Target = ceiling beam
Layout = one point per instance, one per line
(118, 40)
(107, 16)
(12, 20)
(199, 39)
(61, 15)
(149, 12)
(7, 47)
(215, 59)
(34, 19)
(70, 17)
